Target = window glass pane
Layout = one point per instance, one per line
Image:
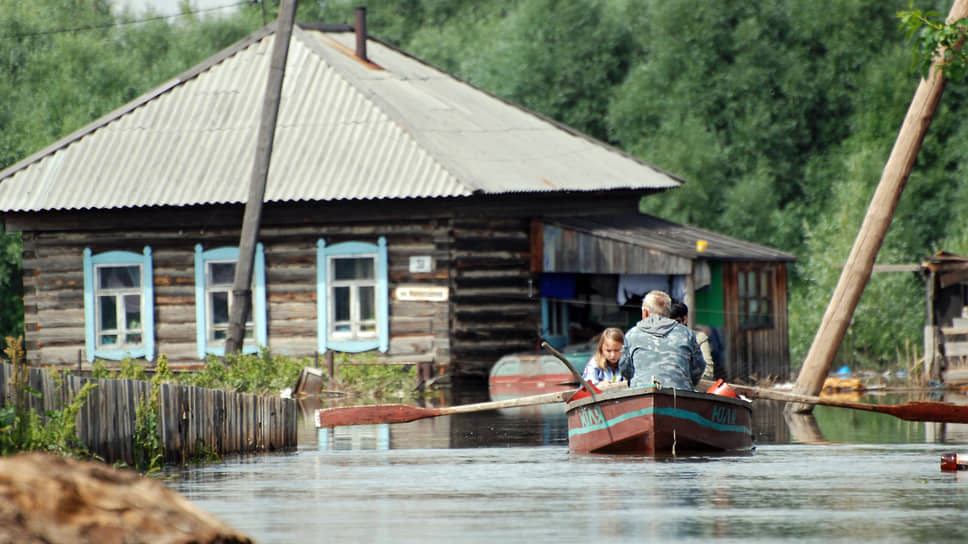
(220, 308)
(353, 268)
(109, 313)
(221, 273)
(367, 303)
(132, 311)
(368, 327)
(118, 277)
(741, 284)
(341, 303)
(342, 328)
(109, 339)
(132, 338)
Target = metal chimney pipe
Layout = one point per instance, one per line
(361, 33)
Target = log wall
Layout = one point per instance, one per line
(54, 288)
(495, 309)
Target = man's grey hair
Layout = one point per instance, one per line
(657, 303)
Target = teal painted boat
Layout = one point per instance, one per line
(658, 421)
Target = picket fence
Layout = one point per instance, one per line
(193, 421)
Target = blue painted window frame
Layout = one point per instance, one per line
(557, 341)
(259, 325)
(382, 340)
(119, 258)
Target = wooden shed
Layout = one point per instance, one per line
(407, 214)
(946, 318)
(600, 267)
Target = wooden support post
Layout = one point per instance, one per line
(931, 332)
(241, 286)
(860, 262)
(690, 297)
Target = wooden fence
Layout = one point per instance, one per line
(192, 421)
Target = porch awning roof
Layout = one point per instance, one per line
(640, 244)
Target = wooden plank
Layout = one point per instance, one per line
(955, 376)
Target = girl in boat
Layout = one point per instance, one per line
(602, 369)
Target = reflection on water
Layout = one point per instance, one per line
(835, 476)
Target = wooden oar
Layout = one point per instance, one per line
(940, 412)
(574, 372)
(401, 413)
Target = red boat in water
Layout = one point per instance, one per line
(518, 374)
(659, 421)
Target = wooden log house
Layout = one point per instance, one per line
(407, 214)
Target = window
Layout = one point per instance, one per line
(353, 299)
(554, 321)
(118, 305)
(214, 276)
(755, 292)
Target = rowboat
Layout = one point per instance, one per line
(658, 421)
(523, 373)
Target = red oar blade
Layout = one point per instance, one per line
(940, 412)
(367, 415)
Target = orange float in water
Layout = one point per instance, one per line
(951, 462)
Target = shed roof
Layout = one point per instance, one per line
(670, 238)
(394, 127)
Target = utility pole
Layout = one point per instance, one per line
(241, 286)
(860, 262)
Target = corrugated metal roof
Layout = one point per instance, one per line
(671, 238)
(396, 128)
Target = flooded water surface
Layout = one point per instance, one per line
(507, 476)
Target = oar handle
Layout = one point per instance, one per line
(574, 372)
(547, 398)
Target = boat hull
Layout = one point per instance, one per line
(659, 421)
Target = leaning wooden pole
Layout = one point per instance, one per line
(241, 286)
(860, 262)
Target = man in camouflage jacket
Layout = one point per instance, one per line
(660, 349)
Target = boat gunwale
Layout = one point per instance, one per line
(622, 393)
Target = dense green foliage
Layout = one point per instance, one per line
(931, 33)
(780, 115)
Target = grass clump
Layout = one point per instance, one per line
(23, 429)
(359, 374)
(250, 373)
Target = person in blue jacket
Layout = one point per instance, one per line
(660, 350)
(602, 368)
